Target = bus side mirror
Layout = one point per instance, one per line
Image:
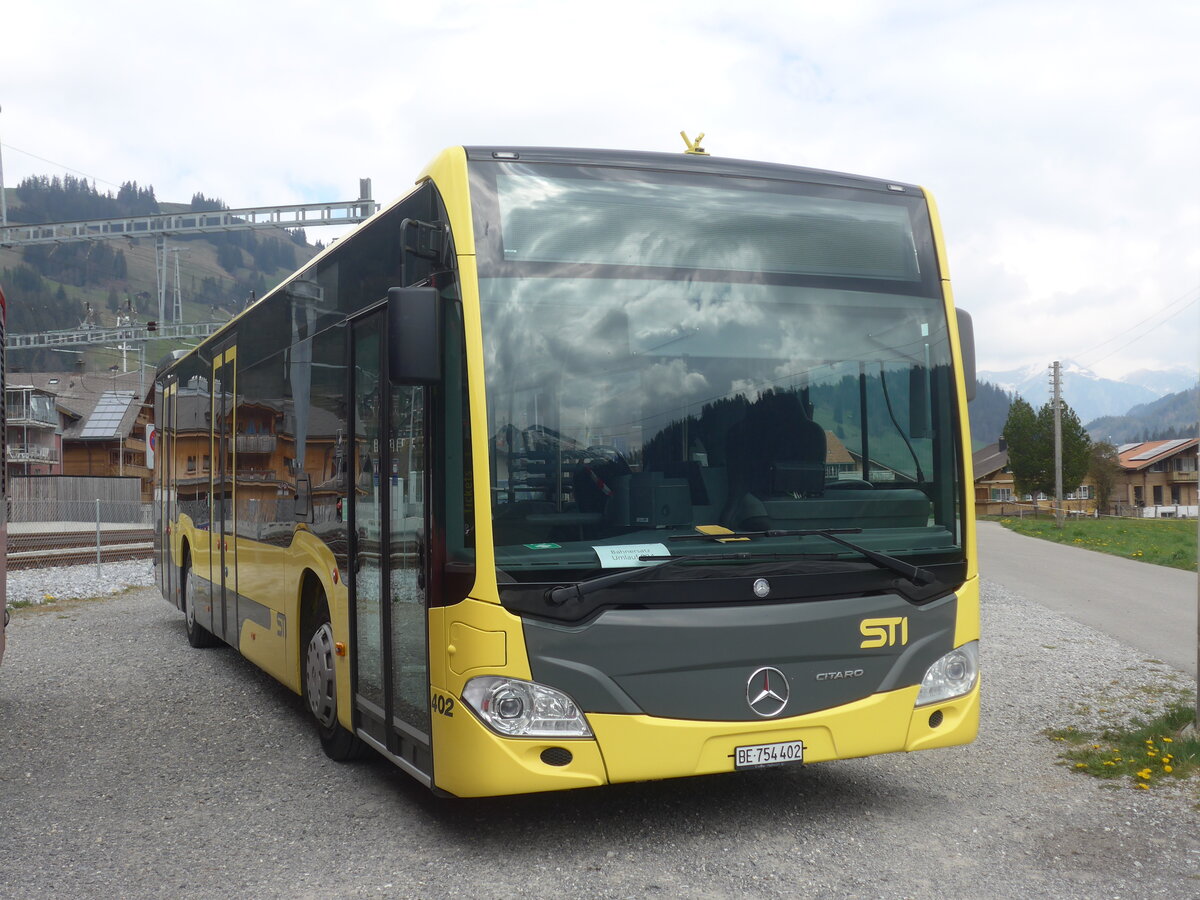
(414, 338)
(966, 341)
(304, 509)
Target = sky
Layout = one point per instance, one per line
(1061, 140)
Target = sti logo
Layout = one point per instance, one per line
(884, 632)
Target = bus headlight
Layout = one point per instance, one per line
(517, 708)
(951, 676)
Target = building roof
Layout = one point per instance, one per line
(79, 394)
(1135, 457)
(989, 460)
(105, 420)
(835, 451)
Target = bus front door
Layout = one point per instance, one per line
(390, 529)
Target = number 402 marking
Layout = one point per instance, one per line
(442, 705)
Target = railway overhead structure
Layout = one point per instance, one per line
(163, 225)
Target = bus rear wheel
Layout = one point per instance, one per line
(198, 636)
(320, 690)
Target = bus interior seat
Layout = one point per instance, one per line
(594, 482)
(777, 453)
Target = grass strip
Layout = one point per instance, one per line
(1146, 753)
(1164, 542)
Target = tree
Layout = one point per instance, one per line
(1104, 468)
(229, 257)
(1030, 439)
(1076, 448)
(1026, 455)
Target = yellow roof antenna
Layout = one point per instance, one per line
(694, 147)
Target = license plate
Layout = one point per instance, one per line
(768, 755)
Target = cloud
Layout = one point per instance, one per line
(1057, 138)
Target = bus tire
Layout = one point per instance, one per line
(320, 689)
(197, 635)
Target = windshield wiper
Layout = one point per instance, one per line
(557, 596)
(915, 574)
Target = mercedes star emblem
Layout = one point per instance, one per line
(767, 692)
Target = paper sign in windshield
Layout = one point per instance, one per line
(624, 556)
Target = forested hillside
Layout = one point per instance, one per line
(1170, 417)
(53, 286)
(988, 412)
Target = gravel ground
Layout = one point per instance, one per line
(133, 766)
(36, 586)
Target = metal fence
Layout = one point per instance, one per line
(87, 488)
(63, 532)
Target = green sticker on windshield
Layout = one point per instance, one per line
(543, 546)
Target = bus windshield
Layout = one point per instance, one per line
(675, 354)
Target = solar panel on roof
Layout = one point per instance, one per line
(1160, 449)
(105, 420)
(1125, 448)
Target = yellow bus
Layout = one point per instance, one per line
(575, 467)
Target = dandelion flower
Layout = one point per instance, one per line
(1081, 765)
(1143, 786)
(1145, 773)
(1168, 740)
(1167, 768)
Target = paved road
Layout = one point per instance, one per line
(1149, 607)
(134, 766)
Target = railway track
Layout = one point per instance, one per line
(33, 550)
(62, 540)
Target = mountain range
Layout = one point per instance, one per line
(1172, 416)
(1090, 395)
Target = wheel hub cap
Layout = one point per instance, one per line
(319, 676)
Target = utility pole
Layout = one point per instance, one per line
(1056, 385)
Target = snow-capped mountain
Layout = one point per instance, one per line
(1090, 395)
(1016, 381)
(1164, 381)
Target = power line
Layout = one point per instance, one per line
(1147, 333)
(62, 165)
(1192, 297)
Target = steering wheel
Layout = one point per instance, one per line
(612, 454)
